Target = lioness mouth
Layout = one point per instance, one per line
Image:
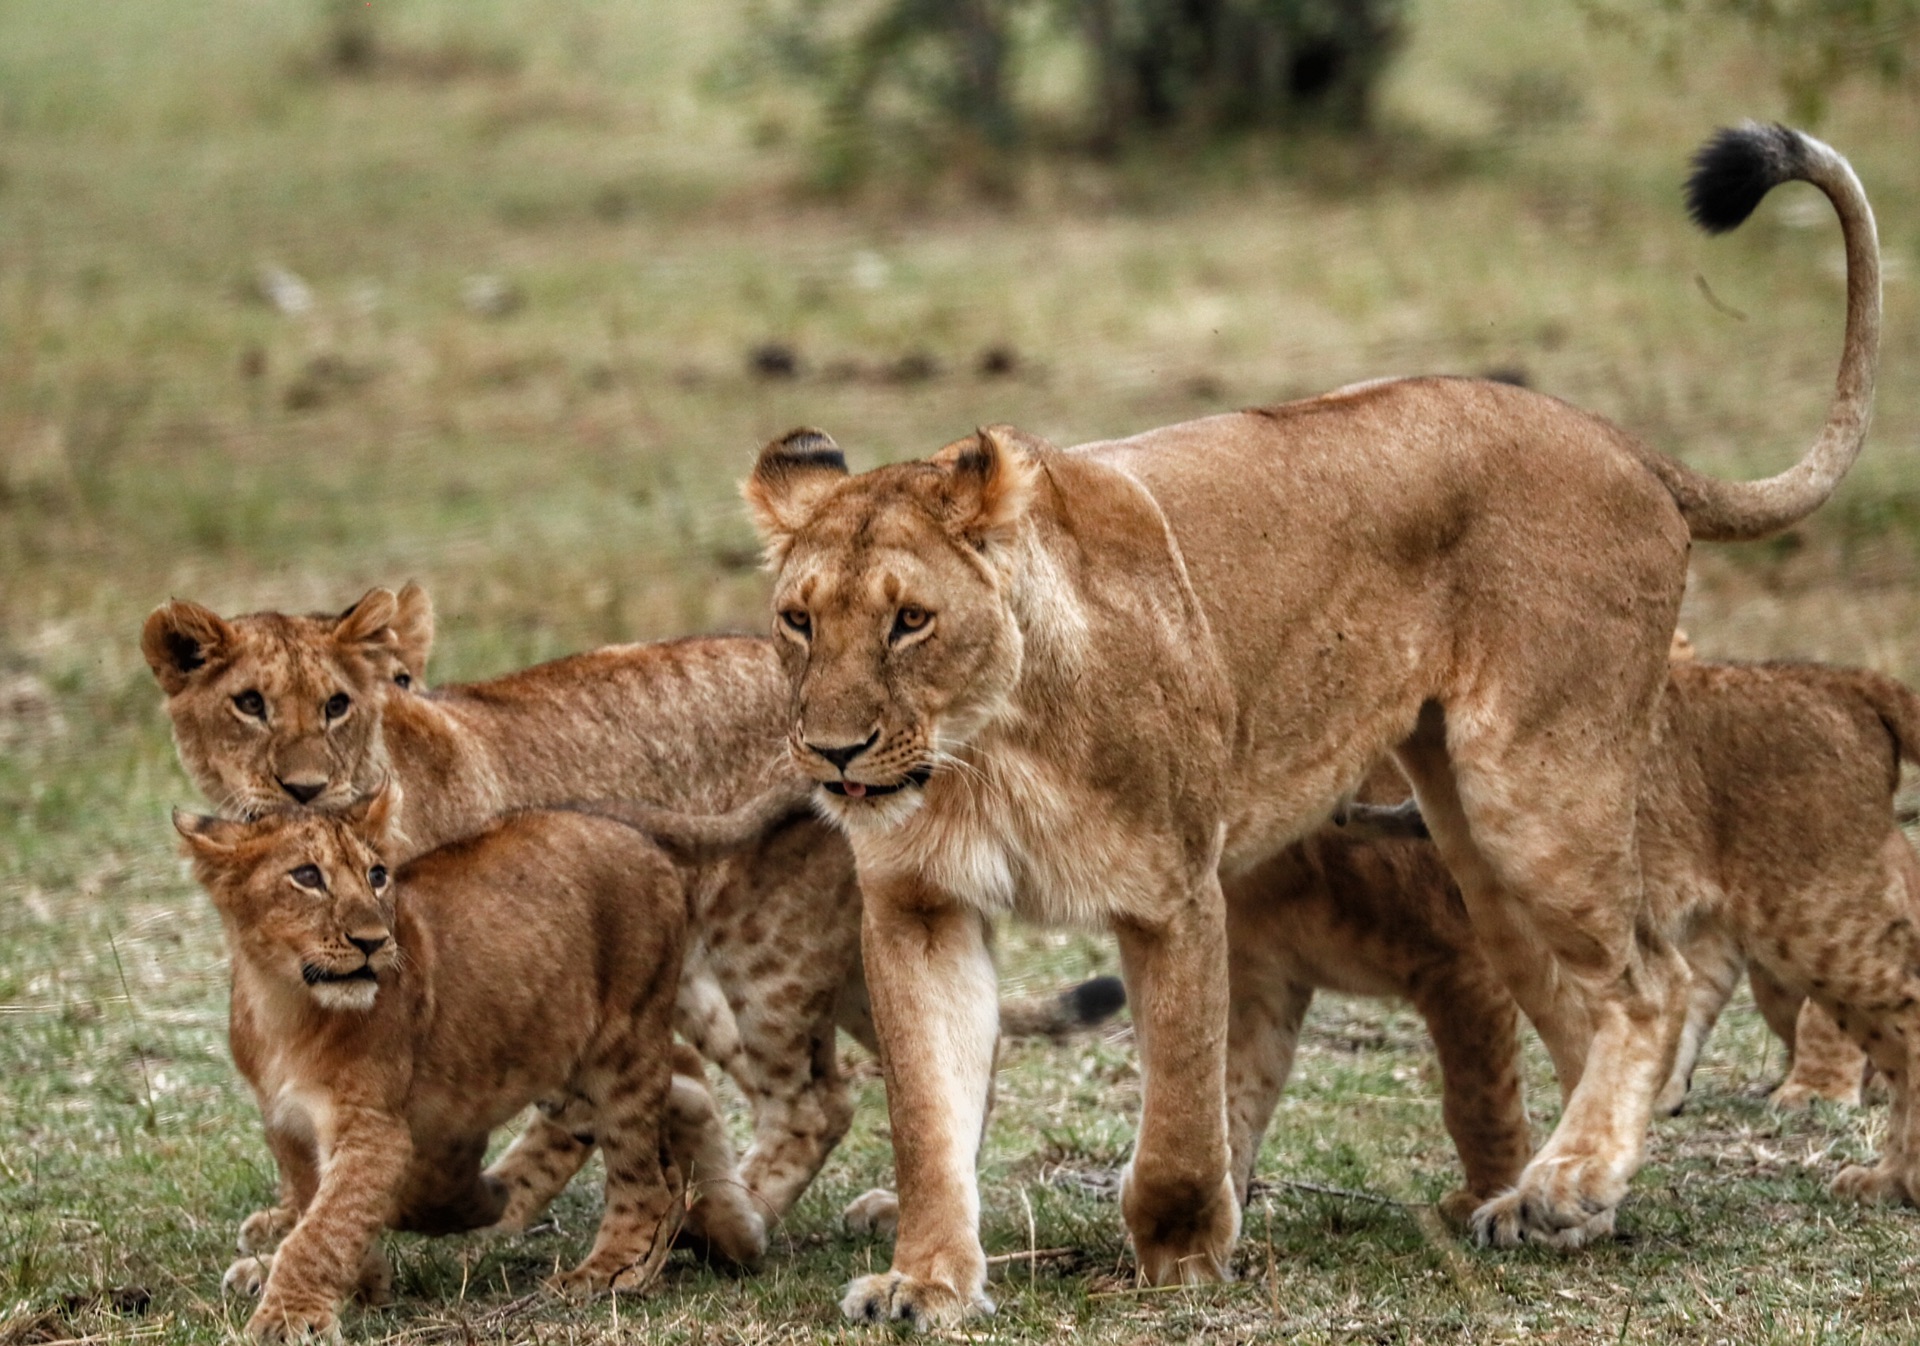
(319, 976)
(853, 789)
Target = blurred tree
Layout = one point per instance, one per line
(950, 70)
(1815, 45)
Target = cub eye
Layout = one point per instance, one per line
(337, 705)
(251, 703)
(403, 679)
(377, 876)
(308, 876)
(797, 620)
(909, 620)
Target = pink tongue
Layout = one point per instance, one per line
(854, 789)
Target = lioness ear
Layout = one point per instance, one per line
(207, 836)
(790, 479)
(990, 480)
(372, 813)
(369, 620)
(413, 628)
(180, 637)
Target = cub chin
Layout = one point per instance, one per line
(389, 1017)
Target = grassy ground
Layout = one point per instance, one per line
(536, 249)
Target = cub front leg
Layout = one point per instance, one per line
(1177, 1197)
(936, 1013)
(321, 1261)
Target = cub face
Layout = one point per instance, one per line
(306, 897)
(271, 709)
(891, 609)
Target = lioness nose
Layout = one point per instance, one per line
(368, 944)
(303, 792)
(841, 756)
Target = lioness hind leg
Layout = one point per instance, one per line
(1538, 829)
(1263, 1028)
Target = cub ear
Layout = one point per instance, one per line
(791, 477)
(208, 837)
(180, 637)
(369, 621)
(413, 628)
(371, 815)
(990, 482)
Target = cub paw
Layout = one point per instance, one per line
(1672, 1099)
(248, 1276)
(724, 1230)
(924, 1306)
(1799, 1095)
(1873, 1186)
(876, 1211)
(1456, 1208)
(262, 1231)
(284, 1323)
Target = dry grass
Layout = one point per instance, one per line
(554, 453)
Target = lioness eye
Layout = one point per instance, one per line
(337, 705)
(908, 620)
(797, 620)
(307, 876)
(251, 703)
(377, 876)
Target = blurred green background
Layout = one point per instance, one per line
(298, 298)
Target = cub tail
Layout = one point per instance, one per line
(697, 838)
(1064, 1013)
(1731, 173)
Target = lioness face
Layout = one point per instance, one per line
(306, 897)
(270, 709)
(890, 610)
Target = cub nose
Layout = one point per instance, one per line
(368, 944)
(303, 792)
(841, 756)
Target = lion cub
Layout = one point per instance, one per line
(388, 1019)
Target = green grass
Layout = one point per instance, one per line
(564, 474)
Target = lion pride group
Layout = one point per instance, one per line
(1378, 692)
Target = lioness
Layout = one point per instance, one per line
(388, 1018)
(271, 708)
(1086, 684)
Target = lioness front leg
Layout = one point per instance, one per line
(936, 1010)
(1177, 1197)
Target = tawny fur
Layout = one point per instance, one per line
(1088, 684)
(772, 961)
(387, 1022)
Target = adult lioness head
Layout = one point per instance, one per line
(307, 900)
(270, 709)
(892, 608)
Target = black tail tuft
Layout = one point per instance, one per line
(1097, 1000)
(1738, 167)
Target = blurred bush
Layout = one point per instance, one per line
(950, 81)
(1814, 45)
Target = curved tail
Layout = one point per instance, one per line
(696, 838)
(1731, 173)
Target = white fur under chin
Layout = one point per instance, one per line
(356, 996)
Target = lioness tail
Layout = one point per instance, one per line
(1087, 1005)
(1731, 173)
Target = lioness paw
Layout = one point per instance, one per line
(925, 1306)
(247, 1276)
(876, 1211)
